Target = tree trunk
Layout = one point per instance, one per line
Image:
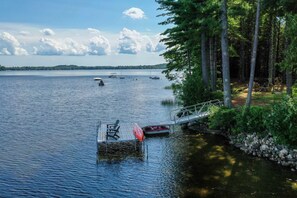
(242, 62)
(271, 53)
(242, 55)
(225, 56)
(254, 57)
(215, 63)
(212, 66)
(204, 59)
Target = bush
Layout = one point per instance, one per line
(222, 118)
(193, 90)
(294, 90)
(282, 121)
(217, 95)
(251, 120)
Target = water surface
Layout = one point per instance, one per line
(48, 143)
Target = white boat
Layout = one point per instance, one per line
(97, 79)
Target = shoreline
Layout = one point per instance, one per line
(263, 147)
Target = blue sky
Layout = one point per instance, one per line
(82, 32)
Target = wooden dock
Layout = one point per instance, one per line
(125, 133)
(125, 142)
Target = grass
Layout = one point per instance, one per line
(168, 87)
(168, 102)
(239, 93)
(268, 97)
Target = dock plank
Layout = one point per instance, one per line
(125, 133)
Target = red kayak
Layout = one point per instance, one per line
(138, 132)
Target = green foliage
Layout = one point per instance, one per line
(222, 118)
(290, 58)
(239, 120)
(251, 120)
(217, 95)
(294, 89)
(281, 122)
(193, 90)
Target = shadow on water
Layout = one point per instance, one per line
(212, 168)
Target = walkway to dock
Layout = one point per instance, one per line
(194, 112)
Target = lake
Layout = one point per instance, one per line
(48, 143)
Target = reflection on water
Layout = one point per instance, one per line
(48, 147)
(212, 168)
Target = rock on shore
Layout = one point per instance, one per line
(265, 147)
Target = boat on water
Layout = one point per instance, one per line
(155, 77)
(97, 79)
(156, 129)
(113, 75)
(101, 83)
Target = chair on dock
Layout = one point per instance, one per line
(113, 126)
(113, 132)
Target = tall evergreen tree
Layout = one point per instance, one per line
(254, 56)
(225, 56)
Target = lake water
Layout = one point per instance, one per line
(48, 143)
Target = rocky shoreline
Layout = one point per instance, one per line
(264, 147)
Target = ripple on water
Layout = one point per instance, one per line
(48, 145)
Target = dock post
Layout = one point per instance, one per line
(146, 152)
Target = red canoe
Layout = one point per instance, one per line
(138, 132)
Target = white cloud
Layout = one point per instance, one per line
(47, 32)
(99, 45)
(73, 48)
(48, 47)
(150, 46)
(68, 47)
(94, 31)
(130, 42)
(153, 43)
(24, 33)
(27, 40)
(159, 46)
(9, 45)
(134, 13)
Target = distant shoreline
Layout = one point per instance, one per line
(75, 67)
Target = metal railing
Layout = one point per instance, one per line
(193, 112)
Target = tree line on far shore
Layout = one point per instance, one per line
(75, 67)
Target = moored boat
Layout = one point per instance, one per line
(156, 129)
(97, 79)
(155, 77)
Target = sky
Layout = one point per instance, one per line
(80, 32)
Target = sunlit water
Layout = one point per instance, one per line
(48, 143)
